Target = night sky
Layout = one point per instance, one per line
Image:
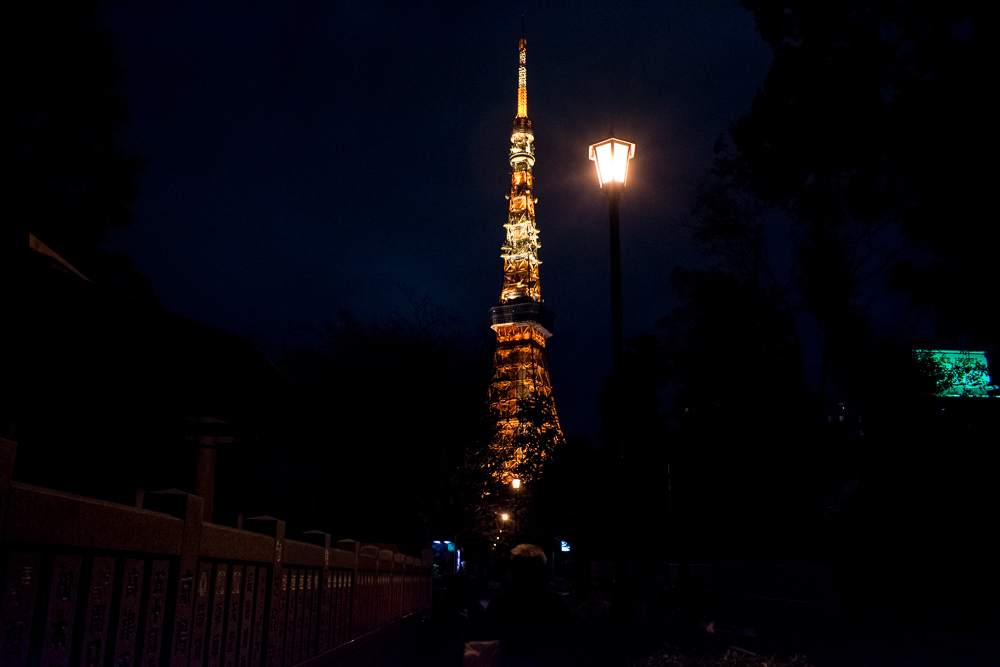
(304, 157)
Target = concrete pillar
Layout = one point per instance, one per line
(206, 440)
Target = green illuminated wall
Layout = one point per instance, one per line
(959, 372)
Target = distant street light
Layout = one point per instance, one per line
(504, 516)
(611, 157)
(516, 483)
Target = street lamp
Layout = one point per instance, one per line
(611, 158)
(516, 483)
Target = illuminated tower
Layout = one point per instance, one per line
(521, 320)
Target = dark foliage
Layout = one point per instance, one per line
(741, 413)
(67, 180)
(404, 400)
(868, 140)
(878, 114)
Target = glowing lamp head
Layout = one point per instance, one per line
(504, 516)
(516, 483)
(611, 158)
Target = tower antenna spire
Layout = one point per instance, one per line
(522, 80)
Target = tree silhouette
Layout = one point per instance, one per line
(869, 140)
(874, 118)
(405, 400)
(67, 178)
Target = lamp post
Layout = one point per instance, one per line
(611, 158)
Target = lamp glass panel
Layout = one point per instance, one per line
(605, 162)
(621, 161)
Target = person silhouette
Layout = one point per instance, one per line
(531, 622)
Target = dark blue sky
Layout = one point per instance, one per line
(309, 156)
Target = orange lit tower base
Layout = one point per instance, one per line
(521, 320)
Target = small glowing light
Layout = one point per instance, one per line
(516, 483)
(564, 546)
(504, 516)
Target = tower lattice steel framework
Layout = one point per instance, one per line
(521, 320)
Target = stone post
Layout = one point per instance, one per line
(206, 438)
(354, 548)
(191, 509)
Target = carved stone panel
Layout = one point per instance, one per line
(299, 616)
(156, 605)
(258, 623)
(98, 615)
(341, 607)
(217, 615)
(307, 617)
(230, 634)
(246, 615)
(202, 615)
(324, 611)
(184, 616)
(61, 612)
(276, 624)
(127, 629)
(291, 606)
(18, 606)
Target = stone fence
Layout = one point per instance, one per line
(97, 584)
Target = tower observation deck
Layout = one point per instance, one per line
(521, 320)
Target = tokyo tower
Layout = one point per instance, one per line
(521, 391)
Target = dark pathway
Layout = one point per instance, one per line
(831, 641)
(403, 646)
